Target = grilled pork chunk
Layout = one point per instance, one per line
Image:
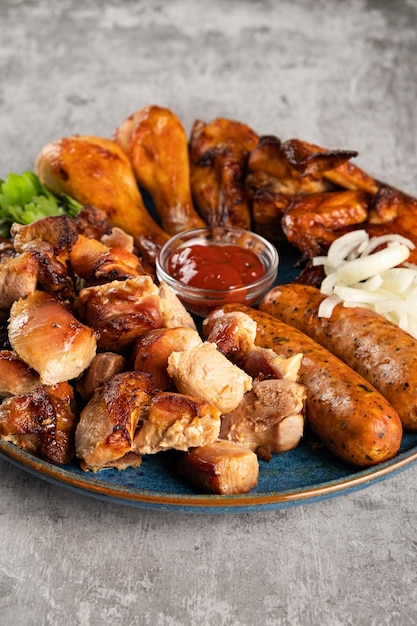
(121, 311)
(270, 418)
(59, 231)
(97, 263)
(234, 335)
(105, 433)
(205, 373)
(41, 422)
(51, 240)
(16, 376)
(49, 338)
(174, 421)
(18, 278)
(221, 467)
(103, 366)
(172, 310)
(151, 352)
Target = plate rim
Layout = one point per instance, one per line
(62, 476)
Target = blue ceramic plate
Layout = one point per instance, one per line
(306, 474)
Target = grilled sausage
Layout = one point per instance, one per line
(349, 415)
(377, 349)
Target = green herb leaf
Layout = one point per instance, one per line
(24, 199)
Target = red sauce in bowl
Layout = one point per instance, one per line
(215, 266)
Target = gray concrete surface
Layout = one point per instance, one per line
(342, 74)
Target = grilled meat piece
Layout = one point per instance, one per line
(221, 467)
(95, 171)
(151, 351)
(271, 167)
(121, 311)
(218, 159)
(41, 422)
(16, 376)
(101, 369)
(174, 421)
(173, 311)
(59, 231)
(204, 372)
(270, 418)
(49, 338)
(104, 436)
(96, 263)
(313, 221)
(156, 143)
(234, 334)
(334, 165)
(18, 278)
(51, 240)
(92, 222)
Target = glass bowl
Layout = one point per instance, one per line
(201, 301)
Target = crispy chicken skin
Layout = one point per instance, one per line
(96, 171)
(270, 418)
(121, 311)
(49, 338)
(222, 467)
(41, 422)
(204, 372)
(174, 421)
(104, 436)
(156, 143)
(218, 158)
(151, 351)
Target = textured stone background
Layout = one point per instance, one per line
(343, 74)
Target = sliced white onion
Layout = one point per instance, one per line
(375, 242)
(327, 305)
(371, 273)
(345, 245)
(365, 267)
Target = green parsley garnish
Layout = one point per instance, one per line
(24, 199)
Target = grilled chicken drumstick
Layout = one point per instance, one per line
(156, 143)
(95, 171)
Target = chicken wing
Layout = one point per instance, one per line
(156, 143)
(218, 158)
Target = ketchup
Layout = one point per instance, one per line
(215, 266)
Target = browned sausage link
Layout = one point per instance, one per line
(378, 350)
(349, 415)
